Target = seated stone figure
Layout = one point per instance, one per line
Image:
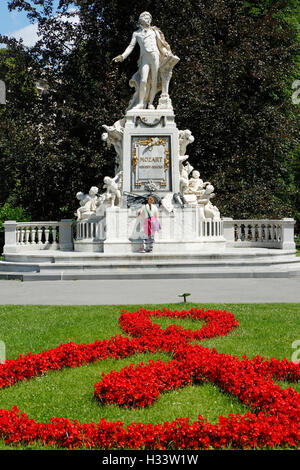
(185, 170)
(88, 203)
(113, 193)
(207, 210)
(196, 184)
(185, 138)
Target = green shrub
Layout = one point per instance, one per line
(8, 212)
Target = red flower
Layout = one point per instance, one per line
(275, 415)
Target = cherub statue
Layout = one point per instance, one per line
(113, 193)
(207, 210)
(185, 170)
(84, 200)
(196, 184)
(114, 136)
(88, 203)
(185, 138)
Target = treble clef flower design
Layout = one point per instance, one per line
(273, 419)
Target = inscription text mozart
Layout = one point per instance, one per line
(151, 159)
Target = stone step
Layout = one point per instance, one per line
(158, 272)
(69, 257)
(8, 266)
(71, 265)
(161, 264)
(146, 262)
(163, 273)
(11, 276)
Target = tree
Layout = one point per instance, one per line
(14, 116)
(231, 88)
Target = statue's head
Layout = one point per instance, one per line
(145, 18)
(80, 195)
(209, 189)
(93, 191)
(196, 174)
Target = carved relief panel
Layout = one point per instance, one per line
(151, 162)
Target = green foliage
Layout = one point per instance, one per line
(232, 88)
(7, 212)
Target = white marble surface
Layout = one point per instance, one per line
(155, 65)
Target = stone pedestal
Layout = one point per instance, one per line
(66, 235)
(121, 231)
(287, 237)
(150, 151)
(10, 243)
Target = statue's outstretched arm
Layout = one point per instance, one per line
(127, 51)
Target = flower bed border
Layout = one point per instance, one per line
(273, 421)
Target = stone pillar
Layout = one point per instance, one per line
(228, 229)
(287, 234)
(10, 236)
(158, 126)
(66, 235)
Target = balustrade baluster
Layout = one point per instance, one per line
(279, 233)
(239, 232)
(35, 235)
(54, 231)
(18, 236)
(259, 230)
(27, 233)
(39, 235)
(200, 228)
(47, 233)
(22, 236)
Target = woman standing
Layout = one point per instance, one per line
(151, 225)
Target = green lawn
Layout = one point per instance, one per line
(266, 329)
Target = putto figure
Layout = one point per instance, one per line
(154, 66)
(88, 203)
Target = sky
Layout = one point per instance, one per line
(16, 24)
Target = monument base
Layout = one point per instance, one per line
(160, 247)
(235, 263)
(120, 230)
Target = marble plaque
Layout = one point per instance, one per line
(151, 162)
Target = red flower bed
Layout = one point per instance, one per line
(274, 419)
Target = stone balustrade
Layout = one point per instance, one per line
(91, 229)
(37, 233)
(263, 233)
(210, 228)
(260, 233)
(121, 229)
(28, 236)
